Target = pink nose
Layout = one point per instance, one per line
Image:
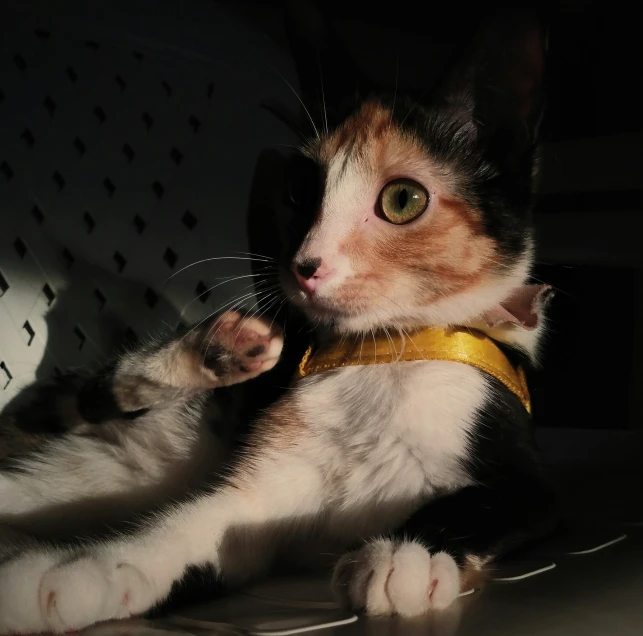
(309, 273)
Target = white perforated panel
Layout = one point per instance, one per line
(123, 158)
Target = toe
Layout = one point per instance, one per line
(408, 585)
(445, 581)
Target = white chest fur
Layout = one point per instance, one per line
(389, 436)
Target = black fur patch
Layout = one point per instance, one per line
(255, 351)
(197, 585)
(219, 359)
(96, 401)
(512, 501)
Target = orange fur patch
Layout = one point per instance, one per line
(474, 574)
(446, 251)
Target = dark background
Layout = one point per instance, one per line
(588, 211)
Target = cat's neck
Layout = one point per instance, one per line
(524, 341)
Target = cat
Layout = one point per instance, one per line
(420, 473)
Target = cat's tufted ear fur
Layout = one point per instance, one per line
(486, 65)
(329, 80)
(496, 90)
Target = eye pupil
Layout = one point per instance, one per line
(403, 198)
(402, 201)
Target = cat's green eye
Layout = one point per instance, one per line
(401, 201)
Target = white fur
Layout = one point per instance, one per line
(374, 444)
(381, 439)
(80, 482)
(387, 578)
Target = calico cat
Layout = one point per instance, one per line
(420, 473)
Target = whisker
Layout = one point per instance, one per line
(283, 302)
(397, 75)
(321, 81)
(300, 101)
(250, 286)
(269, 258)
(391, 345)
(412, 342)
(216, 311)
(214, 258)
(228, 280)
(259, 297)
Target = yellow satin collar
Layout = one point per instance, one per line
(455, 345)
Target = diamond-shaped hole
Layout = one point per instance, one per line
(170, 257)
(129, 153)
(100, 299)
(80, 335)
(80, 146)
(50, 105)
(6, 170)
(42, 34)
(167, 88)
(37, 214)
(100, 114)
(194, 123)
(6, 377)
(210, 90)
(91, 44)
(89, 222)
(159, 189)
(139, 224)
(4, 285)
(176, 155)
(20, 63)
(202, 291)
(28, 137)
(109, 186)
(68, 258)
(151, 298)
(59, 180)
(138, 55)
(31, 334)
(147, 120)
(20, 247)
(189, 220)
(121, 82)
(49, 294)
(71, 74)
(120, 261)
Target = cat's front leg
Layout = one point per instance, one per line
(232, 348)
(445, 547)
(49, 589)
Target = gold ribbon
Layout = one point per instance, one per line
(454, 345)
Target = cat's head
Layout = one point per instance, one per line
(418, 212)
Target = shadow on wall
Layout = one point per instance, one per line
(93, 317)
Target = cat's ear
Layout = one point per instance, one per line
(497, 91)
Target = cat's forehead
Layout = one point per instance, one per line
(370, 143)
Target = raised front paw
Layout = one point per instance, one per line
(396, 577)
(236, 348)
(41, 592)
